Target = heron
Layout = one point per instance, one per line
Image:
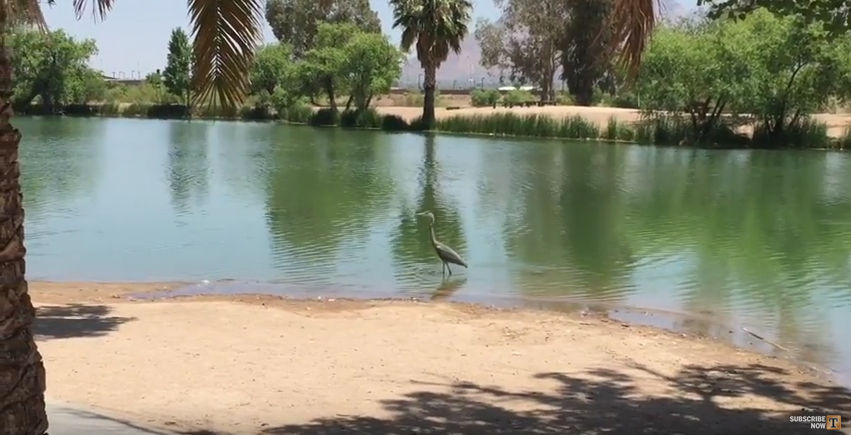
(445, 253)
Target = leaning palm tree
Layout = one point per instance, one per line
(226, 34)
(436, 26)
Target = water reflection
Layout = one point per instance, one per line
(188, 164)
(754, 238)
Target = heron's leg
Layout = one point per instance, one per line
(443, 267)
(449, 268)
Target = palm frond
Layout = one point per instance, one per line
(99, 7)
(633, 22)
(227, 32)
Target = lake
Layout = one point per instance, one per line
(699, 240)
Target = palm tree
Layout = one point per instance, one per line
(226, 34)
(440, 25)
(436, 26)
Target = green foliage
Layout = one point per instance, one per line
(296, 22)
(435, 27)
(298, 113)
(325, 117)
(773, 68)
(482, 97)
(564, 99)
(692, 69)
(617, 131)
(177, 75)
(791, 69)
(370, 67)
(517, 96)
(322, 66)
(805, 133)
(832, 15)
(367, 118)
(844, 142)
(396, 123)
(53, 67)
(586, 57)
(520, 125)
(272, 68)
(525, 40)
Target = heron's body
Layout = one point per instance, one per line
(445, 253)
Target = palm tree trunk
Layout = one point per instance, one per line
(429, 85)
(22, 379)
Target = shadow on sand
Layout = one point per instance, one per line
(75, 320)
(601, 401)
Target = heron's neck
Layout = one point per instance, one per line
(433, 238)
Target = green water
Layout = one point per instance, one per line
(754, 238)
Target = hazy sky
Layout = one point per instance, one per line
(134, 37)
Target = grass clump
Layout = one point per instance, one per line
(806, 133)
(510, 124)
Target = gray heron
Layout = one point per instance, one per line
(445, 253)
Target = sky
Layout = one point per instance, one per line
(133, 40)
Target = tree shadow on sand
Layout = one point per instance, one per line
(75, 320)
(603, 401)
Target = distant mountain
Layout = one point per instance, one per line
(459, 70)
(462, 70)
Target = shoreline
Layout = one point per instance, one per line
(101, 343)
(838, 125)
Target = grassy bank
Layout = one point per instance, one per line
(650, 131)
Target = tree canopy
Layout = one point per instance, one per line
(177, 76)
(296, 22)
(834, 15)
(53, 66)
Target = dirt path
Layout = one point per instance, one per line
(253, 364)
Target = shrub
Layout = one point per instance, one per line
(298, 113)
(805, 133)
(517, 96)
(393, 123)
(368, 118)
(483, 98)
(325, 117)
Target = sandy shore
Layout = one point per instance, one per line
(837, 123)
(254, 364)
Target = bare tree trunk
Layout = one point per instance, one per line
(22, 377)
(430, 85)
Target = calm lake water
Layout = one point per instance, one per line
(735, 238)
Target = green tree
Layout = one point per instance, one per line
(226, 34)
(177, 75)
(296, 22)
(436, 27)
(51, 66)
(273, 76)
(793, 68)
(586, 49)
(155, 81)
(323, 65)
(833, 15)
(371, 66)
(691, 69)
(525, 40)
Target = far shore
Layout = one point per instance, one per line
(247, 364)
